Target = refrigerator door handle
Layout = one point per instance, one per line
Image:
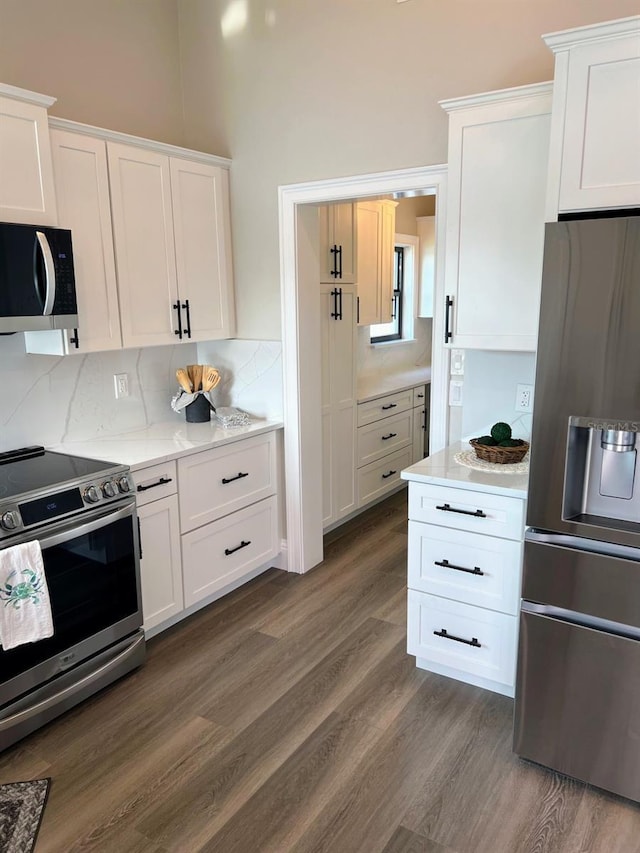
(578, 543)
(582, 619)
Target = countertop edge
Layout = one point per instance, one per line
(435, 480)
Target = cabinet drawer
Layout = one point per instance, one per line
(468, 567)
(384, 437)
(155, 482)
(217, 482)
(480, 642)
(383, 407)
(479, 512)
(419, 396)
(220, 553)
(380, 477)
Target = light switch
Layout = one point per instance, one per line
(457, 362)
(455, 392)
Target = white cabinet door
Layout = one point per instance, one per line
(82, 192)
(160, 566)
(200, 197)
(419, 427)
(376, 245)
(338, 400)
(144, 242)
(27, 191)
(427, 270)
(595, 141)
(498, 154)
(338, 241)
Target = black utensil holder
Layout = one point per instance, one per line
(199, 411)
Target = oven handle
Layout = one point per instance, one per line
(71, 532)
(72, 689)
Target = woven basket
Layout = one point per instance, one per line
(500, 455)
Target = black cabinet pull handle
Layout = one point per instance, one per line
(357, 309)
(424, 419)
(334, 251)
(472, 642)
(448, 334)
(242, 544)
(239, 476)
(178, 331)
(75, 339)
(340, 294)
(477, 514)
(334, 313)
(389, 406)
(340, 259)
(390, 474)
(391, 435)
(185, 305)
(476, 570)
(161, 482)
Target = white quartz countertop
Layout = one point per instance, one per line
(442, 470)
(373, 385)
(161, 442)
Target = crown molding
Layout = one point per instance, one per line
(502, 96)
(26, 96)
(566, 39)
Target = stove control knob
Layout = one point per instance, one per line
(109, 489)
(9, 520)
(124, 485)
(91, 495)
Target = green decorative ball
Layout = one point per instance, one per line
(500, 432)
(487, 440)
(510, 442)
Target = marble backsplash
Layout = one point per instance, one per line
(395, 357)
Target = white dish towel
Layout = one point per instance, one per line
(25, 609)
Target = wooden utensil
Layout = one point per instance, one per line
(183, 379)
(210, 378)
(195, 373)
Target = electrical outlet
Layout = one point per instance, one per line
(121, 383)
(524, 398)
(455, 392)
(457, 362)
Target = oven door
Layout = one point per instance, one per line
(93, 575)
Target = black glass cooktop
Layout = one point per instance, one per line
(35, 469)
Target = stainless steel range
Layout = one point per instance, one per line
(83, 513)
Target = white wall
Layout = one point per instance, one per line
(48, 399)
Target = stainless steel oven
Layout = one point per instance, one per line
(88, 533)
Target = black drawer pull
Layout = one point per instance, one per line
(228, 551)
(472, 642)
(391, 435)
(447, 508)
(447, 565)
(389, 406)
(390, 474)
(239, 476)
(161, 482)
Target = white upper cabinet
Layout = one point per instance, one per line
(498, 156)
(426, 226)
(595, 139)
(82, 192)
(338, 243)
(27, 192)
(200, 195)
(376, 239)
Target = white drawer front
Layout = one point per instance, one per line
(419, 396)
(492, 655)
(480, 512)
(220, 553)
(384, 407)
(155, 482)
(217, 482)
(479, 570)
(383, 437)
(380, 477)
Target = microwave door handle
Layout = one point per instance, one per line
(49, 273)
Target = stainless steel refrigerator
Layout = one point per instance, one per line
(578, 684)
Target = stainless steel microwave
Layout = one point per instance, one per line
(37, 282)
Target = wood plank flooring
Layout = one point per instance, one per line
(287, 717)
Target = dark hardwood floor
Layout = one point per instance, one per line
(288, 717)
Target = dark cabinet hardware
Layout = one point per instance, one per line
(242, 544)
(447, 565)
(472, 642)
(161, 482)
(390, 474)
(424, 419)
(340, 301)
(448, 334)
(139, 537)
(178, 331)
(336, 251)
(477, 514)
(239, 476)
(75, 339)
(185, 305)
(334, 313)
(357, 309)
(391, 435)
(389, 406)
(419, 396)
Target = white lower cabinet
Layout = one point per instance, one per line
(208, 522)
(464, 576)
